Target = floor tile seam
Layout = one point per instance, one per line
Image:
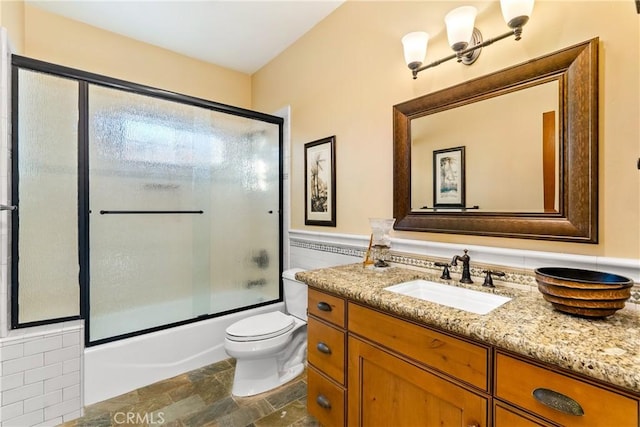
(164, 395)
(241, 409)
(220, 376)
(289, 387)
(258, 424)
(208, 408)
(246, 405)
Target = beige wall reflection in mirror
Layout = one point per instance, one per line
(504, 145)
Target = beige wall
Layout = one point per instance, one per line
(12, 18)
(62, 41)
(344, 76)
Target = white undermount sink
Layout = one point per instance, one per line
(452, 296)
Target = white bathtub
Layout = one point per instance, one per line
(125, 365)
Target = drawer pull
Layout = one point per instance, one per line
(323, 402)
(557, 401)
(474, 425)
(323, 348)
(323, 306)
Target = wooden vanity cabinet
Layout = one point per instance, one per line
(368, 368)
(403, 374)
(326, 346)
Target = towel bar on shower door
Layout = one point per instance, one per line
(8, 208)
(148, 212)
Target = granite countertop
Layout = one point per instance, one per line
(607, 349)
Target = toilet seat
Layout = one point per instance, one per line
(260, 327)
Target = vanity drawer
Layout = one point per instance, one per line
(325, 349)
(327, 307)
(516, 381)
(506, 416)
(325, 400)
(460, 359)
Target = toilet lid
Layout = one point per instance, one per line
(260, 326)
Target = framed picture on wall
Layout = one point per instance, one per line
(320, 182)
(449, 178)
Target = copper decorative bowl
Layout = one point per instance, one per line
(583, 292)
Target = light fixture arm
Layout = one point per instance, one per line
(517, 32)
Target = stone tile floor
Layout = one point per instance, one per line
(202, 398)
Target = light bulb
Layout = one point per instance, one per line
(516, 13)
(415, 48)
(460, 23)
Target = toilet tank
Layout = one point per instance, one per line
(295, 294)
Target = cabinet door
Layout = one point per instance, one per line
(385, 390)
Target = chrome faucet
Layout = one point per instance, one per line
(466, 272)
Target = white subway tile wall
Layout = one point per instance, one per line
(309, 258)
(41, 375)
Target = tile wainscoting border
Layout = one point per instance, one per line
(312, 249)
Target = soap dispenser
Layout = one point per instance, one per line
(380, 240)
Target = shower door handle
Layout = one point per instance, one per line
(106, 212)
(8, 208)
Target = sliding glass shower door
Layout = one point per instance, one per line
(137, 209)
(183, 212)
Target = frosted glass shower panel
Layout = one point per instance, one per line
(245, 197)
(150, 189)
(48, 197)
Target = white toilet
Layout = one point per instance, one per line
(270, 349)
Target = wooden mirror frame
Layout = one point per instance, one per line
(576, 69)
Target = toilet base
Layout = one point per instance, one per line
(254, 376)
(258, 376)
(264, 365)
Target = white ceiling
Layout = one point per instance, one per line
(236, 34)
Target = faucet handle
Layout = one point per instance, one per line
(445, 270)
(488, 280)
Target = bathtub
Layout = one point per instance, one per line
(125, 365)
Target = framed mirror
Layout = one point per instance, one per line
(510, 154)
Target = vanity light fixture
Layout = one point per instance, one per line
(465, 40)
